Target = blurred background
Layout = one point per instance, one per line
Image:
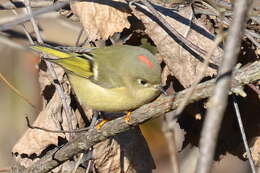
(19, 66)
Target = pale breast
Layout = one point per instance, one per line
(108, 99)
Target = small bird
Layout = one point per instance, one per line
(110, 79)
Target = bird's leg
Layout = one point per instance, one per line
(127, 117)
(100, 123)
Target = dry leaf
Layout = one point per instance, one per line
(255, 150)
(182, 64)
(101, 20)
(127, 152)
(165, 74)
(35, 141)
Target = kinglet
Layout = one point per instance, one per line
(110, 79)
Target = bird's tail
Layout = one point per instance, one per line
(76, 63)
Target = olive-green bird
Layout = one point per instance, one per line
(110, 79)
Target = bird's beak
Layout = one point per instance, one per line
(160, 88)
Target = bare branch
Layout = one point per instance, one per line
(170, 28)
(242, 131)
(169, 134)
(255, 89)
(55, 131)
(58, 86)
(16, 91)
(163, 104)
(218, 101)
(217, 41)
(14, 4)
(27, 17)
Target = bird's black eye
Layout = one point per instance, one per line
(142, 82)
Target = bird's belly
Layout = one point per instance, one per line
(105, 99)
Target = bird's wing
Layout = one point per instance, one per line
(106, 69)
(72, 62)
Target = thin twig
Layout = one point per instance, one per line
(16, 91)
(170, 28)
(79, 36)
(78, 162)
(25, 30)
(35, 27)
(58, 86)
(169, 134)
(242, 131)
(5, 169)
(217, 41)
(243, 76)
(38, 12)
(89, 165)
(252, 39)
(253, 33)
(218, 101)
(55, 131)
(254, 88)
(15, 4)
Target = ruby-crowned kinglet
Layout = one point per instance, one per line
(110, 79)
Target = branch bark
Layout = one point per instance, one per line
(245, 75)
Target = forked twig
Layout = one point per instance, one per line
(55, 131)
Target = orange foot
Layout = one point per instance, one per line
(100, 124)
(128, 117)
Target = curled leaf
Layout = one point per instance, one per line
(101, 20)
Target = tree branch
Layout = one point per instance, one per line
(248, 74)
(218, 102)
(14, 4)
(24, 18)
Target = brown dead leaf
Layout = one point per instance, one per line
(101, 20)
(181, 63)
(35, 141)
(165, 74)
(255, 150)
(127, 152)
